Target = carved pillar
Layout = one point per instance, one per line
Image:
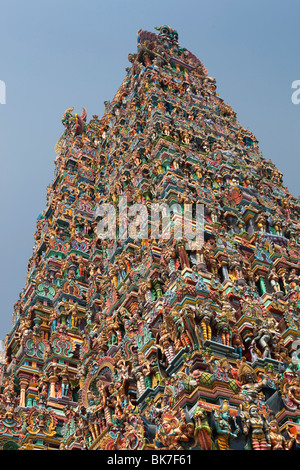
(157, 288)
(23, 384)
(52, 381)
(262, 285)
(225, 272)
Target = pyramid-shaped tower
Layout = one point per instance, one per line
(127, 336)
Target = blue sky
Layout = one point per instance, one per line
(60, 54)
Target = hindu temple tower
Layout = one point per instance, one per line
(140, 343)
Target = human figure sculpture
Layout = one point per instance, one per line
(223, 427)
(267, 336)
(169, 433)
(237, 342)
(278, 441)
(206, 321)
(256, 427)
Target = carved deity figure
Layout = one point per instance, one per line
(203, 432)
(206, 321)
(274, 280)
(169, 435)
(223, 426)
(256, 428)
(279, 442)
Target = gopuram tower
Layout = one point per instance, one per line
(125, 341)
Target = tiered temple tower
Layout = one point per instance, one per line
(144, 343)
